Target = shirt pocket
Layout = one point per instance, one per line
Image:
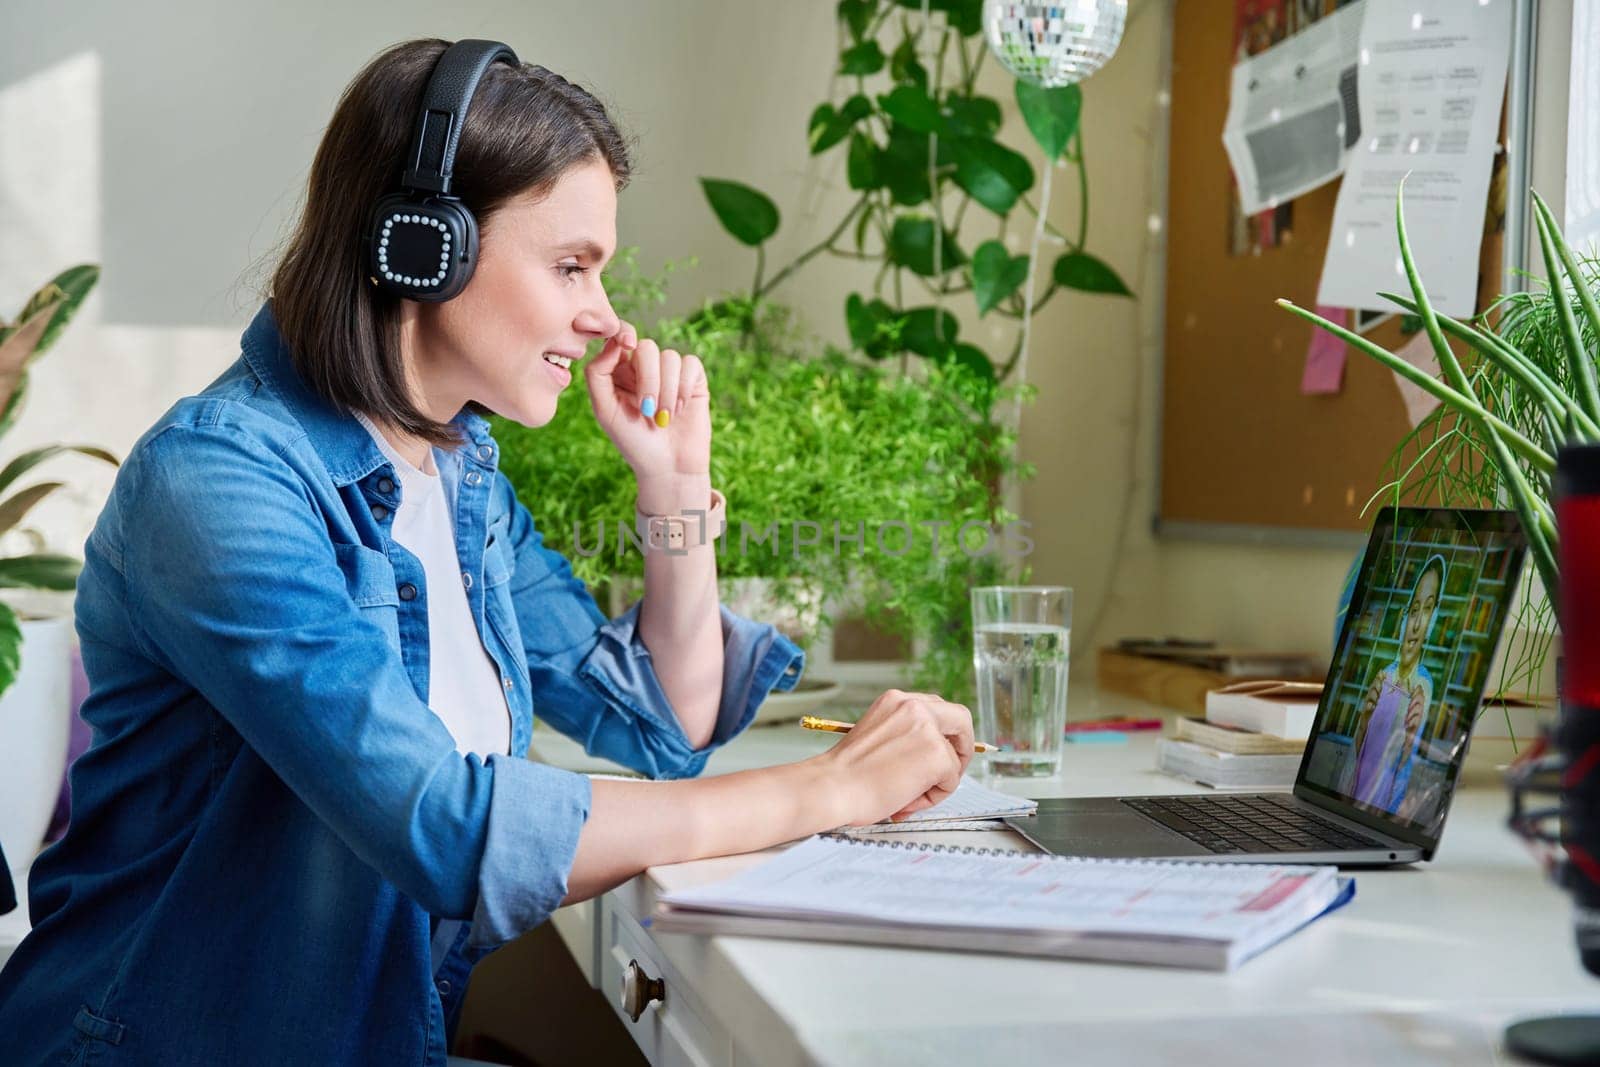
(498, 561)
(498, 566)
(369, 579)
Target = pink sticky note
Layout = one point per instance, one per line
(1324, 372)
(1419, 353)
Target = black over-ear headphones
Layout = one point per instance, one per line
(422, 243)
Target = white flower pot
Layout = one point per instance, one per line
(34, 725)
(753, 598)
(750, 597)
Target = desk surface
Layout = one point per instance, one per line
(1425, 966)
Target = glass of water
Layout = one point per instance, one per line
(1021, 640)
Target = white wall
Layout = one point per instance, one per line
(170, 141)
(179, 168)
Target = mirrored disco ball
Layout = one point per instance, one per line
(1054, 44)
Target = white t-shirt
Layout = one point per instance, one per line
(463, 684)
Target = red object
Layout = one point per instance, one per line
(1118, 725)
(1578, 519)
(1274, 894)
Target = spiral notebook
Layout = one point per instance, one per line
(973, 806)
(1211, 916)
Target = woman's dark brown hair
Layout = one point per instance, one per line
(524, 129)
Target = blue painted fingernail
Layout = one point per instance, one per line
(647, 406)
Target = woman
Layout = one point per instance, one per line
(1397, 701)
(317, 624)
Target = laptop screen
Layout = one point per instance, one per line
(1410, 667)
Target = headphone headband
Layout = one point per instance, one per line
(430, 164)
(422, 242)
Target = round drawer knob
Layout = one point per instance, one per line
(639, 989)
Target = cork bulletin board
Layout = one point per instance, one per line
(1242, 449)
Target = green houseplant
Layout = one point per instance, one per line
(923, 157)
(804, 440)
(35, 653)
(1527, 387)
(36, 328)
(919, 155)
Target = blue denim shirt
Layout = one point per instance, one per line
(276, 853)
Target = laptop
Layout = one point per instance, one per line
(1391, 730)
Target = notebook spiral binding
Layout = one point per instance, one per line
(912, 846)
(970, 850)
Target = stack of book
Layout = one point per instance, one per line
(1252, 736)
(1179, 674)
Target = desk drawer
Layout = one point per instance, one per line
(673, 1031)
(579, 927)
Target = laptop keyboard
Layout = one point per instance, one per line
(1249, 823)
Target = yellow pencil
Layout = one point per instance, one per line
(811, 722)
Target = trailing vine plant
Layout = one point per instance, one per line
(920, 152)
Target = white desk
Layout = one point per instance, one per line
(1425, 966)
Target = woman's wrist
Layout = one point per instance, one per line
(673, 493)
(829, 801)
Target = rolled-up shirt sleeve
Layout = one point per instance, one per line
(529, 846)
(239, 591)
(592, 677)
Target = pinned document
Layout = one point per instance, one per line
(1431, 77)
(1291, 111)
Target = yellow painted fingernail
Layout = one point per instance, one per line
(663, 417)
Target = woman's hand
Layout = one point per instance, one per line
(907, 753)
(1414, 711)
(1370, 702)
(630, 376)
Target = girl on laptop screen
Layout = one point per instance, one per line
(1396, 702)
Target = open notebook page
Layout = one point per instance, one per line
(972, 802)
(973, 806)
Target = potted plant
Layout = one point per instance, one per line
(1533, 391)
(919, 156)
(922, 154)
(35, 652)
(804, 439)
(1528, 388)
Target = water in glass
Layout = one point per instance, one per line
(1022, 694)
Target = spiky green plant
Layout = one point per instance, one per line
(38, 326)
(1528, 389)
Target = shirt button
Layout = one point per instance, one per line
(408, 592)
(443, 987)
(466, 580)
(486, 452)
(506, 681)
(473, 477)
(385, 485)
(379, 512)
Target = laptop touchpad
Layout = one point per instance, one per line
(1105, 833)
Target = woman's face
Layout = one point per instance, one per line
(1419, 616)
(536, 292)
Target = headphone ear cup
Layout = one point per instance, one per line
(421, 249)
(464, 255)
